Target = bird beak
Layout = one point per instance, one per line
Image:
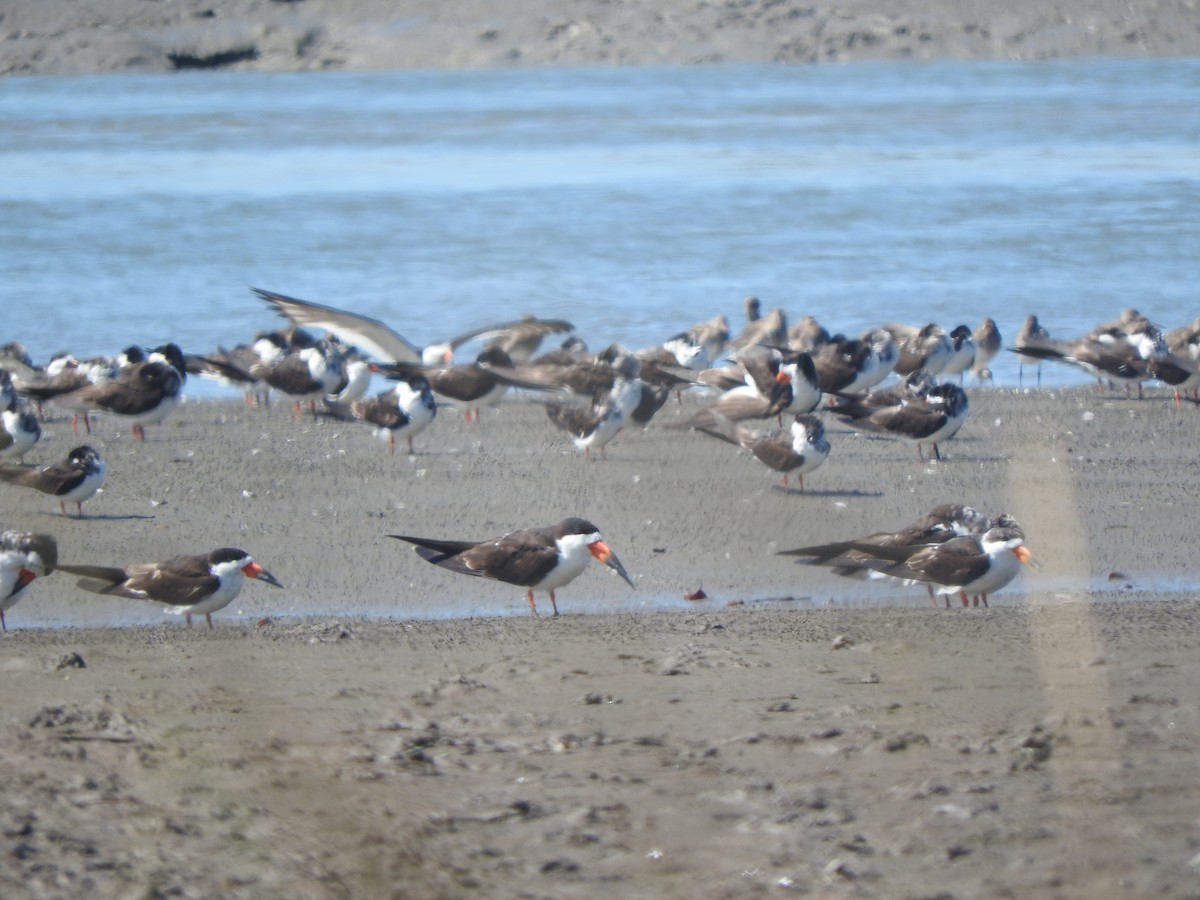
(24, 576)
(254, 570)
(1022, 553)
(602, 552)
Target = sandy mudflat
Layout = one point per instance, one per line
(648, 747)
(70, 37)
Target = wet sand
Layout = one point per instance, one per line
(351, 736)
(64, 37)
(383, 728)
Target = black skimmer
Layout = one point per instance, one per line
(926, 349)
(23, 557)
(805, 382)
(74, 480)
(765, 393)
(1184, 343)
(963, 356)
(187, 585)
(519, 340)
(934, 415)
(144, 393)
(537, 559)
(987, 345)
(64, 374)
(942, 523)
(970, 566)
(596, 425)
(8, 393)
(798, 449)
(305, 373)
(19, 431)
(467, 386)
(1109, 353)
(403, 411)
(846, 365)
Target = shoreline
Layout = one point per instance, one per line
(313, 500)
(61, 37)
(1029, 750)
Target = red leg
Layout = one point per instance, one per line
(553, 603)
(532, 605)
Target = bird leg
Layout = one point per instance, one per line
(937, 453)
(532, 605)
(932, 595)
(962, 595)
(3, 624)
(208, 618)
(392, 443)
(138, 431)
(62, 507)
(553, 603)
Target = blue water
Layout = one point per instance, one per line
(634, 202)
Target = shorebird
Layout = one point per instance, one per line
(798, 449)
(987, 345)
(403, 411)
(764, 392)
(926, 349)
(597, 424)
(963, 355)
(142, 393)
(940, 524)
(933, 415)
(769, 330)
(23, 557)
(954, 549)
(74, 480)
(972, 565)
(19, 431)
(538, 559)
(187, 585)
(519, 339)
(305, 373)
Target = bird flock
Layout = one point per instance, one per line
(766, 390)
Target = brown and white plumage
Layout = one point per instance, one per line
(538, 559)
(798, 449)
(74, 480)
(188, 585)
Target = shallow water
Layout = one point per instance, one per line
(635, 202)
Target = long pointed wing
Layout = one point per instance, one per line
(366, 333)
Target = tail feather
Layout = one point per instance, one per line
(447, 548)
(110, 575)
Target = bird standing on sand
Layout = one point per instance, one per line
(798, 449)
(19, 431)
(404, 411)
(187, 585)
(74, 480)
(538, 559)
(954, 550)
(23, 557)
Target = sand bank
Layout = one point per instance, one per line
(1043, 747)
(57, 37)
